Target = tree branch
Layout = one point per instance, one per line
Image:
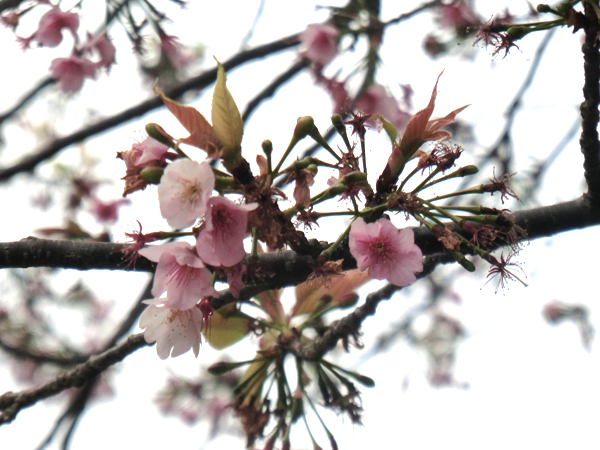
(350, 324)
(200, 82)
(284, 268)
(590, 146)
(9, 4)
(11, 403)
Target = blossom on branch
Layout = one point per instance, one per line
(220, 243)
(320, 43)
(385, 252)
(103, 47)
(184, 190)
(181, 273)
(49, 31)
(70, 72)
(174, 331)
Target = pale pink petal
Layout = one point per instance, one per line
(174, 331)
(181, 273)
(320, 44)
(49, 32)
(184, 190)
(70, 72)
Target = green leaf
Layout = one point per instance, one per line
(226, 119)
(388, 127)
(223, 331)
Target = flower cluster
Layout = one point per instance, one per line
(217, 209)
(176, 320)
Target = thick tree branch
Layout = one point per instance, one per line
(9, 4)
(68, 255)
(590, 146)
(11, 403)
(285, 268)
(200, 82)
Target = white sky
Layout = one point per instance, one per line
(531, 385)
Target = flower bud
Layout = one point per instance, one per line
(468, 170)
(355, 177)
(517, 32)
(157, 133)
(543, 8)
(152, 175)
(267, 147)
(304, 127)
(564, 8)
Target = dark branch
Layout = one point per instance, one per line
(11, 403)
(34, 252)
(286, 267)
(200, 82)
(9, 4)
(350, 324)
(590, 146)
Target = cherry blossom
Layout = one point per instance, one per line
(103, 47)
(377, 100)
(107, 211)
(174, 51)
(144, 154)
(70, 72)
(148, 153)
(174, 331)
(184, 190)
(220, 243)
(49, 31)
(320, 43)
(386, 252)
(181, 273)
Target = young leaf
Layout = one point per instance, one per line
(201, 132)
(225, 116)
(339, 289)
(225, 331)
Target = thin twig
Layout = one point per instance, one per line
(349, 325)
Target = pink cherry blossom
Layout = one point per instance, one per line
(49, 31)
(176, 53)
(386, 252)
(320, 43)
(103, 47)
(173, 330)
(144, 154)
(377, 100)
(70, 72)
(220, 243)
(107, 211)
(181, 273)
(184, 190)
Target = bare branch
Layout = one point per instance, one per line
(11, 403)
(200, 82)
(286, 267)
(590, 146)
